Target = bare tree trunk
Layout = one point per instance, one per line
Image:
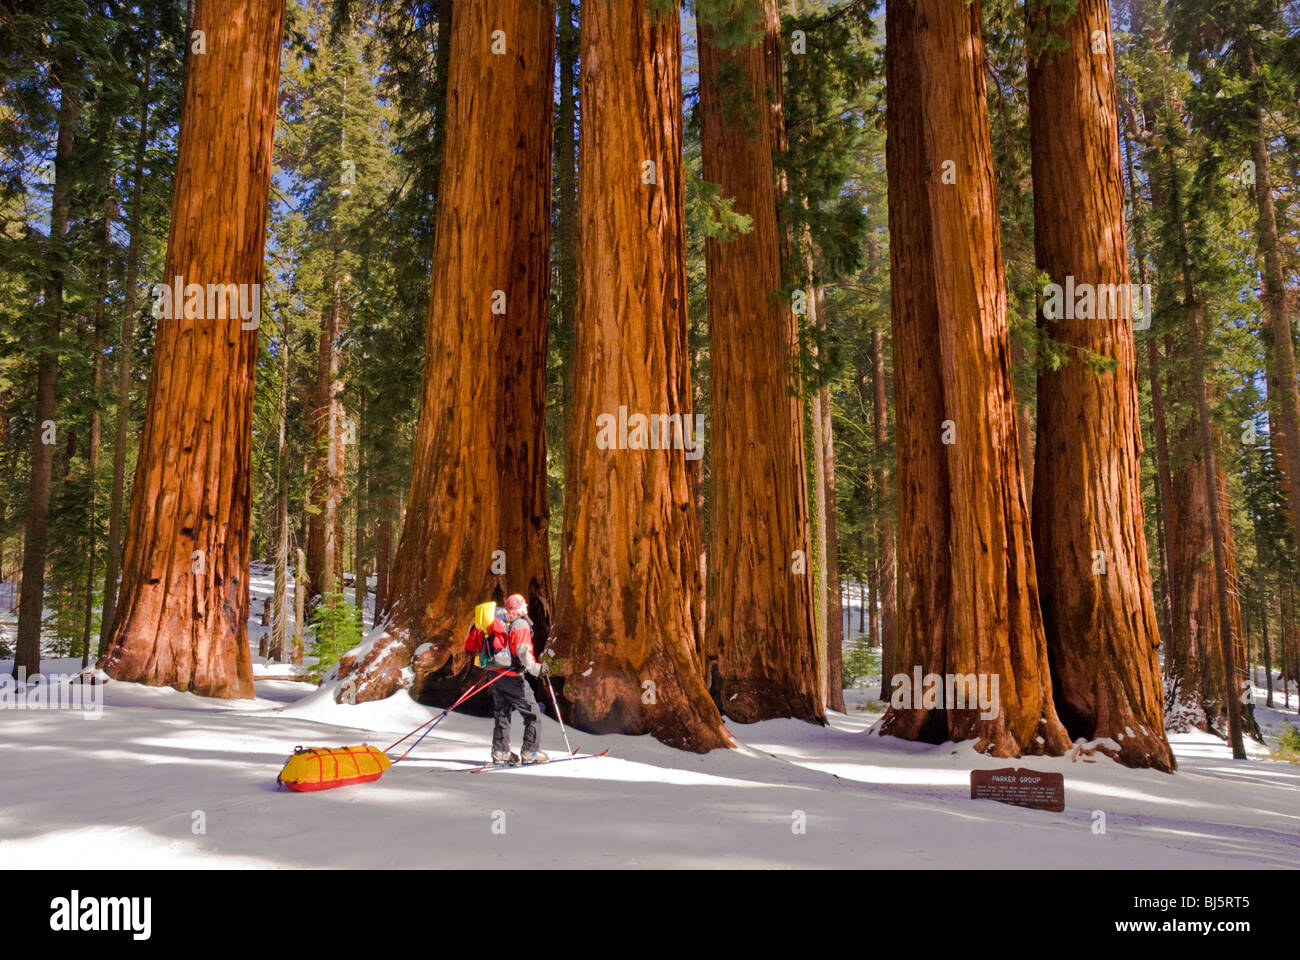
(383, 553)
(834, 607)
(627, 624)
(360, 501)
(92, 447)
(885, 525)
(1230, 691)
(112, 556)
(477, 514)
(183, 619)
(279, 620)
(324, 543)
(872, 601)
(27, 648)
(817, 531)
(299, 606)
(1268, 651)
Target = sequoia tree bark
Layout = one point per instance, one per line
(182, 618)
(1089, 536)
(627, 623)
(924, 576)
(994, 627)
(477, 513)
(760, 638)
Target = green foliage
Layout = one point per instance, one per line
(1288, 744)
(861, 662)
(712, 213)
(335, 628)
(730, 23)
(1045, 17)
(122, 68)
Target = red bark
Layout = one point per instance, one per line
(183, 612)
(627, 626)
(1089, 534)
(477, 514)
(760, 635)
(994, 628)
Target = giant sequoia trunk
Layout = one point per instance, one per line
(1195, 660)
(1198, 446)
(476, 520)
(1089, 539)
(183, 612)
(760, 639)
(994, 628)
(924, 576)
(628, 609)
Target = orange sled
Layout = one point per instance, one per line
(321, 768)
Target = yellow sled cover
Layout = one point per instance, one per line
(320, 768)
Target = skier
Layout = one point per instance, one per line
(511, 692)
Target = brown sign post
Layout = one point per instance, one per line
(1023, 788)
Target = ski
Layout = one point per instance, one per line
(515, 766)
(521, 766)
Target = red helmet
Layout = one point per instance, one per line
(516, 606)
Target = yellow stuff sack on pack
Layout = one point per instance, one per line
(321, 768)
(484, 614)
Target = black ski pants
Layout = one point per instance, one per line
(513, 694)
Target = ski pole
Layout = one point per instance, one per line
(477, 688)
(468, 693)
(551, 691)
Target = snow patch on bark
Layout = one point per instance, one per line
(374, 669)
(1183, 712)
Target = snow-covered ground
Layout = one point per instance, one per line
(168, 779)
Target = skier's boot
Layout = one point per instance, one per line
(536, 756)
(500, 757)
